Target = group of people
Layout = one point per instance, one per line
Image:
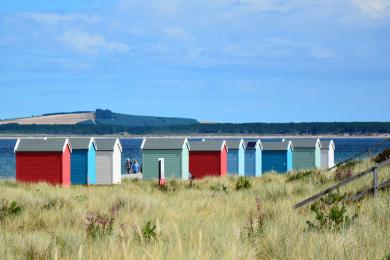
(132, 167)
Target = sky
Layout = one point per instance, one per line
(216, 61)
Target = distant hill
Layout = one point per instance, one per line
(99, 117)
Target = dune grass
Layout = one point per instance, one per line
(208, 219)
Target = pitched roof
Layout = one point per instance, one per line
(82, 143)
(41, 145)
(207, 145)
(163, 143)
(325, 144)
(106, 144)
(252, 144)
(234, 144)
(305, 143)
(276, 146)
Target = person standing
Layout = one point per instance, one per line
(128, 166)
(136, 168)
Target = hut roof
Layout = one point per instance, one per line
(163, 143)
(42, 145)
(252, 144)
(107, 144)
(306, 143)
(82, 143)
(325, 144)
(276, 146)
(234, 144)
(207, 145)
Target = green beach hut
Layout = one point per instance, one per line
(173, 154)
(307, 154)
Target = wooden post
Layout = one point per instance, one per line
(375, 181)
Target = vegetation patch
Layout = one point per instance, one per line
(243, 183)
(9, 209)
(217, 187)
(330, 213)
(148, 233)
(254, 225)
(302, 175)
(99, 225)
(383, 156)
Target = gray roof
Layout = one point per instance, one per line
(234, 144)
(81, 143)
(105, 144)
(251, 144)
(207, 145)
(275, 146)
(41, 145)
(304, 143)
(163, 144)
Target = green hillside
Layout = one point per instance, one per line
(107, 117)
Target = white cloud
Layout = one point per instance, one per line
(50, 18)
(91, 43)
(373, 8)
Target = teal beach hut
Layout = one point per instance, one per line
(253, 152)
(307, 154)
(277, 156)
(83, 161)
(236, 157)
(173, 152)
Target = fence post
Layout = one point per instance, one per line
(375, 181)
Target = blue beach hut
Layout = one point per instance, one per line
(277, 156)
(83, 161)
(236, 157)
(253, 152)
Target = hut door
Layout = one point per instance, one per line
(161, 169)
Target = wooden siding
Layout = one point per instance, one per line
(318, 157)
(274, 161)
(232, 162)
(91, 166)
(324, 159)
(185, 163)
(104, 167)
(210, 163)
(173, 166)
(116, 165)
(259, 170)
(241, 161)
(79, 167)
(41, 167)
(304, 158)
(290, 156)
(66, 163)
(250, 163)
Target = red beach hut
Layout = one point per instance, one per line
(208, 158)
(43, 160)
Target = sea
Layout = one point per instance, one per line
(345, 148)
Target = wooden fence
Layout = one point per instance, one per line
(376, 186)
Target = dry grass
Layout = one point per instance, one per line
(192, 222)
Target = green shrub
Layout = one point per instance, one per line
(254, 226)
(243, 183)
(301, 175)
(148, 232)
(387, 257)
(383, 156)
(9, 209)
(99, 225)
(331, 213)
(219, 187)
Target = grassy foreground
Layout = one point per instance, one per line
(207, 220)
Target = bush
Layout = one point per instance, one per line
(383, 156)
(331, 213)
(7, 209)
(254, 226)
(148, 232)
(99, 225)
(243, 183)
(219, 187)
(343, 173)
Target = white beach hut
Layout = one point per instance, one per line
(108, 161)
(327, 154)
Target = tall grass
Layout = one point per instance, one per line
(195, 221)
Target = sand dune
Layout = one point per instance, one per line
(67, 119)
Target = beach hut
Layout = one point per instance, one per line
(108, 160)
(208, 158)
(307, 154)
(277, 156)
(327, 154)
(172, 153)
(236, 157)
(43, 160)
(83, 161)
(253, 152)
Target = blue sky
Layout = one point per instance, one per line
(221, 60)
